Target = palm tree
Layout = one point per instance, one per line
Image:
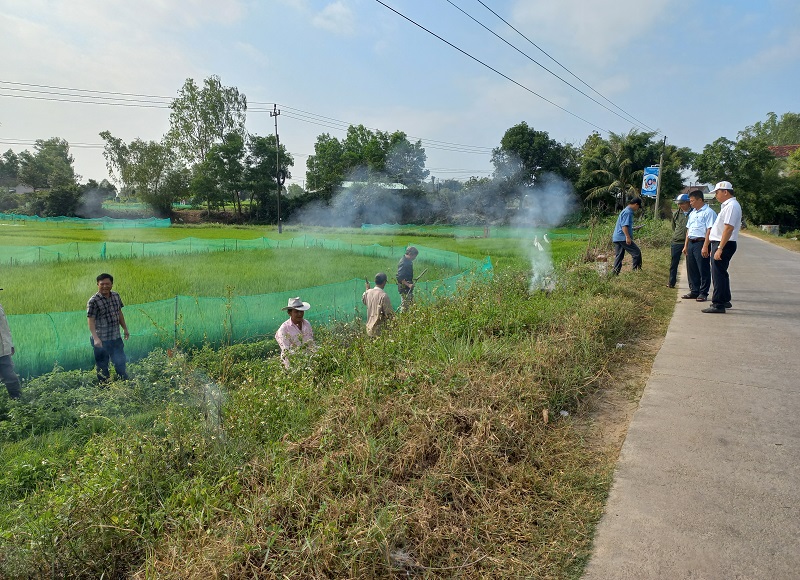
(616, 167)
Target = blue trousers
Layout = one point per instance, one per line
(698, 269)
(619, 252)
(719, 272)
(114, 351)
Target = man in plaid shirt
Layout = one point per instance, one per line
(104, 311)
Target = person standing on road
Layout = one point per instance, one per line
(7, 374)
(104, 311)
(296, 333)
(623, 237)
(405, 277)
(678, 236)
(697, 247)
(379, 307)
(724, 235)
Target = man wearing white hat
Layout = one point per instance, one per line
(723, 236)
(296, 333)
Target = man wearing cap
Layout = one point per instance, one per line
(379, 307)
(104, 312)
(724, 235)
(623, 237)
(7, 374)
(296, 333)
(678, 236)
(697, 247)
(405, 277)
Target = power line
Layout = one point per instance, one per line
(564, 67)
(331, 123)
(154, 101)
(491, 68)
(537, 63)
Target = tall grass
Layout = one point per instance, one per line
(421, 453)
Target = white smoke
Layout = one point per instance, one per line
(542, 207)
(374, 200)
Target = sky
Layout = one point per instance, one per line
(692, 70)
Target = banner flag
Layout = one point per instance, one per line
(650, 181)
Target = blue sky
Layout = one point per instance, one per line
(693, 70)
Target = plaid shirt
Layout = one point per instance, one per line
(105, 312)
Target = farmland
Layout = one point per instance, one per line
(420, 452)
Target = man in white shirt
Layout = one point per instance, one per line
(296, 333)
(724, 235)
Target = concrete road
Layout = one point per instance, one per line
(708, 480)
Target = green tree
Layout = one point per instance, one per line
(9, 169)
(142, 167)
(364, 155)
(325, 170)
(793, 162)
(49, 166)
(775, 131)
(405, 161)
(62, 200)
(524, 155)
(202, 117)
(260, 174)
(226, 161)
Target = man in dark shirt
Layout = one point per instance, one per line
(405, 277)
(678, 236)
(104, 311)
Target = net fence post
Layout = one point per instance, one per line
(176, 324)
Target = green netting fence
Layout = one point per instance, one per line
(102, 223)
(62, 338)
(469, 231)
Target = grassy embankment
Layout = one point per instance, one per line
(424, 452)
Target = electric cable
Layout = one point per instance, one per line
(566, 69)
(465, 53)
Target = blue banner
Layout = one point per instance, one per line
(650, 181)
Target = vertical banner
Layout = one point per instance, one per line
(650, 181)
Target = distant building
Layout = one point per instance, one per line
(378, 184)
(783, 151)
(21, 188)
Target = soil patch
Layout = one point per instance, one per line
(607, 413)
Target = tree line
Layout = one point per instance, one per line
(208, 158)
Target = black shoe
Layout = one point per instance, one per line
(701, 298)
(727, 305)
(714, 310)
(670, 285)
(689, 296)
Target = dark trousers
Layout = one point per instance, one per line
(675, 250)
(698, 269)
(114, 351)
(9, 377)
(619, 252)
(719, 272)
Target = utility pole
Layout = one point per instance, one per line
(274, 113)
(660, 175)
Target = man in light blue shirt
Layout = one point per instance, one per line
(623, 237)
(698, 247)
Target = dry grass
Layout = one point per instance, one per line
(442, 471)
